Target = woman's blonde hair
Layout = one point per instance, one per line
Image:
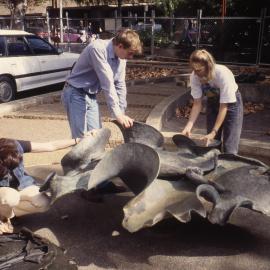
(129, 39)
(204, 58)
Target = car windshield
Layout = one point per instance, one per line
(17, 46)
(2, 46)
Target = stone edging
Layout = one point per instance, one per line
(164, 110)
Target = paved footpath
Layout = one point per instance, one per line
(92, 233)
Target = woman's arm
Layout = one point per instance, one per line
(223, 107)
(195, 111)
(59, 144)
(53, 145)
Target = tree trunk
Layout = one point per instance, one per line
(119, 8)
(17, 13)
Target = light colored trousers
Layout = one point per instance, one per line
(82, 111)
(19, 203)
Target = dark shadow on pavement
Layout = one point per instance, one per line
(86, 233)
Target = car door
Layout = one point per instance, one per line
(54, 66)
(20, 63)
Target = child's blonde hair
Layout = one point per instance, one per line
(204, 58)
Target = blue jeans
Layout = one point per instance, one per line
(231, 128)
(82, 111)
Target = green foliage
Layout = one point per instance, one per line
(161, 38)
(12, 4)
(94, 2)
(214, 7)
(17, 10)
(169, 6)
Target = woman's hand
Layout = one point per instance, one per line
(208, 138)
(186, 131)
(195, 111)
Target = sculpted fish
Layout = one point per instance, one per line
(136, 164)
(77, 165)
(90, 149)
(160, 199)
(172, 163)
(244, 182)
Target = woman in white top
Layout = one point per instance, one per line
(224, 102)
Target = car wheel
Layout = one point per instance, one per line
(7, 89)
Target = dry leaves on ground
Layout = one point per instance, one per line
(184, 111)
(149, 72)
(250, 107)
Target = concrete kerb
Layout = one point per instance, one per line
(163, 111)
(254, 148)
(22, 104)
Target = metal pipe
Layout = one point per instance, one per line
(152, 32)
(68, 31)
(198, 36)
(61, 19)
(260, 39)
(48, 26)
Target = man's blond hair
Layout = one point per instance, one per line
(204, 58)
(129, 39)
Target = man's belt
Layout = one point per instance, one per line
(80, 89)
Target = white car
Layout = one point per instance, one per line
(28, 61)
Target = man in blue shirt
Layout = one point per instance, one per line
(101, 66)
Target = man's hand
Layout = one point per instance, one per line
(125, 121)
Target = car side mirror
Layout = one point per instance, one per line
(60, 50)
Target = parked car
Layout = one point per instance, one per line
(28, 61)
(71, 35)
(147, 26)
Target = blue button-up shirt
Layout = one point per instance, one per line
(98, 68)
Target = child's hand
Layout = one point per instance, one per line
(6, 227)
(92, 132)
